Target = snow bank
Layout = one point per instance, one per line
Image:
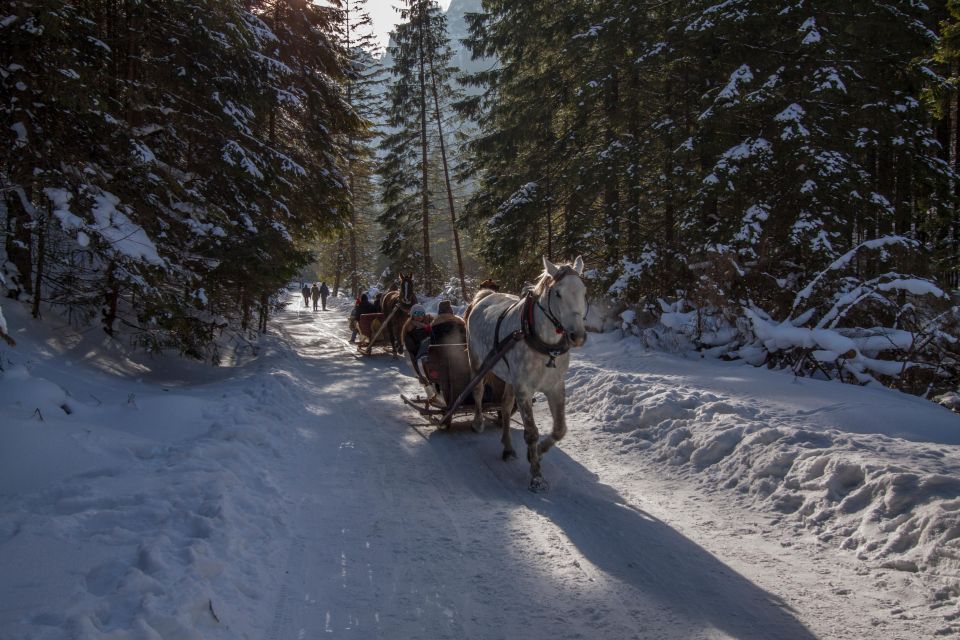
(142, 512)
(872, 471)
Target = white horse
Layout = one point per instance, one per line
(551, 319)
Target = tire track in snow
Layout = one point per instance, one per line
(461, 539)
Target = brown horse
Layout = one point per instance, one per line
(401, 299)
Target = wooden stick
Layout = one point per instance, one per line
(380, 330)
(491, 360)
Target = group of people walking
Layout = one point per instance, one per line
(316, 294)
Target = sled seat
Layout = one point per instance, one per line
(369, 323)
(448, 367)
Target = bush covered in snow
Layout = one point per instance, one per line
(896, 330)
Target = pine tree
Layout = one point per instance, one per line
(420, 75)
(364, 78)
(175, 159)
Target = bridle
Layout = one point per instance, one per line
(530, 302)
(407, 298)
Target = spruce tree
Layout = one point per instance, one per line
(420, 75)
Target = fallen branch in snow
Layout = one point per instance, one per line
(212, 612)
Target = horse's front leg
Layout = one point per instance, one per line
(556, 399)
(531, 436)
(397, 342)
(393, 339)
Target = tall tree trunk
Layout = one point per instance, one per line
(354, 270)
(338, 272)
(245, 308)
(41, 255)
(611, 190)
(354, 276)
(19, 245)
(425, 198)
(264, 312)
(954, 266)
(446, 177)
(111, 300)
(549, 234)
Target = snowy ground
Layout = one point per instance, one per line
(293, 496)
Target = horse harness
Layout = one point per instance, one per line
(528, 328)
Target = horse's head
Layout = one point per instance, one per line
(407, 296)
(567, 298)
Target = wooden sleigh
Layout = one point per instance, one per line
(447, 366)
(372, 328)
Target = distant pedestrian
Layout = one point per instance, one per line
(306, 295)
(315, 294)
(324, 292)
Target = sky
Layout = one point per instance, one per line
(385, 17)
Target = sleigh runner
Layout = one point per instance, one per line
(447, 367)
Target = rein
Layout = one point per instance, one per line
(528, 326)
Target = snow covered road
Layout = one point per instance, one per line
(296, 497)
(416, 533)
(402, 536)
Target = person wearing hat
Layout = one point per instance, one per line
(361, 307)
(416, 336)
(447, 328)
(490, 284)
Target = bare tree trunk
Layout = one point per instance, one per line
(549, 235)
(446, 177)
(19, 247)
(338, 272)
(264, 312)
(611, 191)
(425, 199)
(354, 275)
(41, 253)
(954, 275)
(111, 299)
(245, 308)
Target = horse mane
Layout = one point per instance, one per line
(545, 279)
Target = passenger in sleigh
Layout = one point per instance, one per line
(422, 330)
(447, 328)
(361, 307)
(416, 335)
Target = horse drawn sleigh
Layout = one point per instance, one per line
(516, 347)
(382, 327)
(447, 368)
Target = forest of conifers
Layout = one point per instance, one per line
(168, 166)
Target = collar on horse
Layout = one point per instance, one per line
(527, 325)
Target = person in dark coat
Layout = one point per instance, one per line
(416, 337)
(447, 327)
(315, 294)
(324, 292)
(362, 306)
(306, 295)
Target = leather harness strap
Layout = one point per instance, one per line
(527, 327)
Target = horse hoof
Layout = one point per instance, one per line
(477, 426)
(538, 484)
(509, 455)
